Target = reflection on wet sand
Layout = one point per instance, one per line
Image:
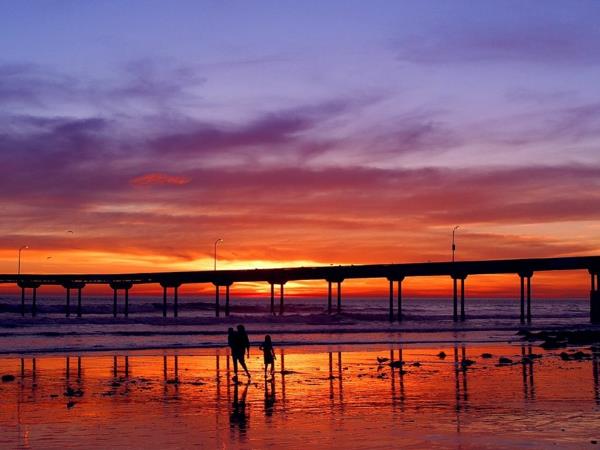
(454, 391)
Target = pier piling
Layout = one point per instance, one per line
(391, 314)
(226, 300)
(126, 311)
(529, 299)
(462, 299)
(114, 302)
(79, 301)
(595, 297)
(176, 301)
(329, 306)
(68, 303)
(281, 299)
(34, 302)
(400, 299)
(454, 300)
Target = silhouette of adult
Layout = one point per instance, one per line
(239, 343)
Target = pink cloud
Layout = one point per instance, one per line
(151, 179)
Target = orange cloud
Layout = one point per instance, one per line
(156, 178)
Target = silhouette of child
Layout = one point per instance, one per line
(268, 354)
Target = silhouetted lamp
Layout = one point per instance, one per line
(19, 262)
(217, 242)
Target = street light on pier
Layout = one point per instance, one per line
(453, 244)
(218, 241)
(19, 261)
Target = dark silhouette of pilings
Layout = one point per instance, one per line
(525, 277)
(34, 287)
(175, 287)
(281, 296)
(398, 279)
(227, 286)
(125, 286)
(455, 278)
(338, 281)
(595, 296)
(68, 287)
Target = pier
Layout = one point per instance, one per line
(393, 274)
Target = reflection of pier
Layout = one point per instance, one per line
(595, 373)
(400, 377)
(460, 378)
(117, 371)
(527, 372)
(122, 369)
(339, 377)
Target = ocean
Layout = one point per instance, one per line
(305, 322)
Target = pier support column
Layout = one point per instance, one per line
(400, 299)
(126, 302)
(529, 299)
(79, 301)
(281, 299)
(462, 299)
(272, 298)
(595, 297)
(114, 302)
(125, 285)
(526, 289)
(339, 297)
(455, 301)
(391, 312)
(398, 279)
(227, 301)
(329, 303)
(217, 306)
(22, 301)
(73, 285)
(522, 317)
(176, 301)
(34, 302)
(68, 303)
(166, 285)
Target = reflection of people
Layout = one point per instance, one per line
(238, 414)
(269, 396)
(240, 344)
(268, 354)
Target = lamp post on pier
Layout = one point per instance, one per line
(19, 260)
(218, 241)
(453, 244)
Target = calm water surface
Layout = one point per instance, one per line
(327, 397)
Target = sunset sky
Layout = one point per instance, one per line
(135, 133)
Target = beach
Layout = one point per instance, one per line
(350, 380)
(339, 396)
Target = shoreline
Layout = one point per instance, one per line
(382, 339)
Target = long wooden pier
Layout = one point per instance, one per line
(333, 275)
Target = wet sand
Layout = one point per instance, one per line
(327, 397)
